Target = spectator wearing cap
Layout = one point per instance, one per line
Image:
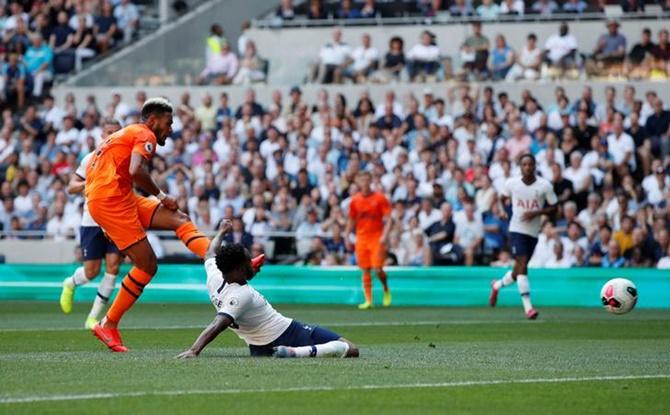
(609, 53)
(424, 58)
(561, 53)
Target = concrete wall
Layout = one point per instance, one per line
(543, 90)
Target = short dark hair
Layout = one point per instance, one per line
(523, 156)
(231, 257)
(155, 106)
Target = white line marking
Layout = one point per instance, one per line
(327, 324)
(455, 384)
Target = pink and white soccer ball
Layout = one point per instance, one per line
(619, 295)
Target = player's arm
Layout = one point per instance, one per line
(76, 184)
(217, 240)
(549, 210)
(220, 323)
(142, 178)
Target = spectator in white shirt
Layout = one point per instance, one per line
(620, 145)
(334, 58)
(221, 68)
(561, 51)
(127, 18)
(69, 135)
(469, 232)
(657, 185)
(365, 60)
(424, 57)
(558, 259)
(528, 61)
(512, 7)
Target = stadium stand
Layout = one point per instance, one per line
(281, 163)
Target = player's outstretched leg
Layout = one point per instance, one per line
(335, 348)
(177, 221)
(383, 277)
(367, 290)
(496, 285)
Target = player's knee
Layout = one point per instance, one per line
(149, 265)
(92, 269)
(112, 267)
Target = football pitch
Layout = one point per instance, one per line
(413, 360)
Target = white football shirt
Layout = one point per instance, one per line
(527, 198)
(86, 219)
(255, 321)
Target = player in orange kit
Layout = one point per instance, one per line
(370, 215)
(117, 165)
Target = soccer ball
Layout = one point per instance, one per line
(619, 295)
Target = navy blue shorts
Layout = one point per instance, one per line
(522, 244)
(94, 243)
(296, 335)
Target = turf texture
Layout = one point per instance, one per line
(413, 360)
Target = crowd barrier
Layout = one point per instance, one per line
(411, 286)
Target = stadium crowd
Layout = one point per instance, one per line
(284, 170)
(39, 39)
(558, 56)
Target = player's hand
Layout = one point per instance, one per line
(170, 203)
(187, 354)
(530, 215)
(226, 226)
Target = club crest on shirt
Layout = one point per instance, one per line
(234, 302)
(149, 147)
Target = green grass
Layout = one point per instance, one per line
(413, 360)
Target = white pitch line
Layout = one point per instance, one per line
(455, 384)
(327, 324)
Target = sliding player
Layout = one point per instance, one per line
(243, 309)
(370, 215)
(531, 197)
(94, 246)
(118, 164)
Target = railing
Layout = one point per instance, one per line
(26, 234)
(446, 19)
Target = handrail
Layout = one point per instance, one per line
(446, 19)
(44, 234)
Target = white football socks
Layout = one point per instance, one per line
(77, 279)
(504, 281)
(105, 290)
(335, 348)
(524, 289)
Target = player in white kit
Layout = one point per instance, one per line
(239, 306)
(94, 247)
(531, 197)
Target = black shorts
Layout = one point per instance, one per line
(94, 243)
(522, 245)
(296, 335)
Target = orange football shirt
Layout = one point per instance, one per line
(107, 173)
(368, 212)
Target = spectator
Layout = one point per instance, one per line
(640, 55)
(488, 10)
(441, 237)
(575, 6)
(307, 231)
(316, 11)
(502, 59)
(660, 57)
(83, 43)
(347, 10)
(285, 11)
(394, 62)
(545, 7)
(14, 79)
(475, 52)
(61, 42)
(221, 69)
(558, 259)
(613, 259)
(621, 146)
(369, 9)
(561, 52)
(334, 58)
(609, 53)
(105, 29)
(461, 8)
(469, 233)
(365, 60)
(252, 67)
(127, 18)
(239, 235)
(631, 6)
(215, 40)
(424, 58)
(527, 62)
(512, 7)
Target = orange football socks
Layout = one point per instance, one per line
(131, 289)
(193, 239)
